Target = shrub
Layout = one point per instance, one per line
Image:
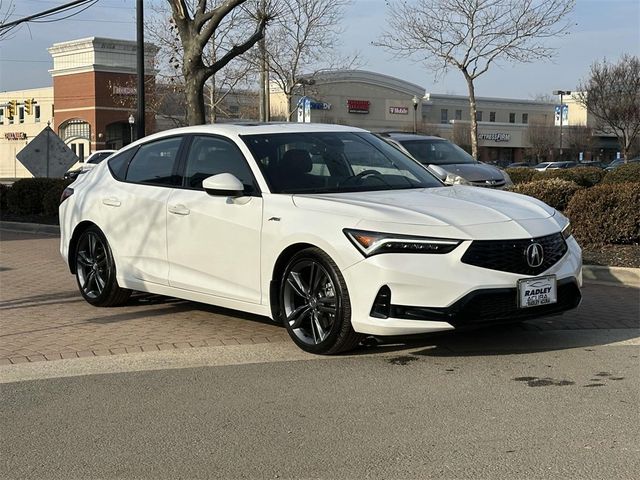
(554, 192)
(51, 199)
(4, 189)
(583, 176)
(606, 213)
(629, 172)
(521, 175)
(26, 195)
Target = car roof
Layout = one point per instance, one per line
(409, 136)
(252, 128)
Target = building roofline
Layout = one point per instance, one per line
(367, 76)
(446, 96)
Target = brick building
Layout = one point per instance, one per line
(88, 106)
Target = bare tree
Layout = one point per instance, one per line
(471, 35)
(612, 95)
(196, 25)
(302, 39)
(579, 139)
(542, 137)
(160, 29)
(461, 135)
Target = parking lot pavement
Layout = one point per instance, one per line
(43, 317)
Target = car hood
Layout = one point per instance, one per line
(442, 206)
(474, 172)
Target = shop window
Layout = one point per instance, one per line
(479, 116)
(525, 118)
(492, 116)
(512, 118)
(444, 115)
(458, 114)
(81, 151)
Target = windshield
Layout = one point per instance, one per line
(436, 152)
(329, 162)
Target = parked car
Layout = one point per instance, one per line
(541, 167)
(83, 167)
(519, 165)
(620, 161)
(449, 162)
(327, 229)
(593, 163)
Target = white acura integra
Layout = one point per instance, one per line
(327, 229)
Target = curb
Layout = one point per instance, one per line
(614, 276)
(30, 228)
(617, 276)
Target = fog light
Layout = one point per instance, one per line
(382, 304)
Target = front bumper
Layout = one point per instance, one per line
(431, 293)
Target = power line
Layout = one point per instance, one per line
(8, 26)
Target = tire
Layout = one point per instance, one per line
(314, 304)
(96, 271)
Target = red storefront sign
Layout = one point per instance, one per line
(358, 106)
(15, 136)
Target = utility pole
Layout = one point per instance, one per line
(265, 107)
(561, 93)
(140, 68)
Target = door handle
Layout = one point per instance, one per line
(179, 209)
(111, 201)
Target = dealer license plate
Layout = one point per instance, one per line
(533, 292)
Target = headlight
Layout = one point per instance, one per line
(566, 231)
(507, 179)
(374, 243)
(453, 179)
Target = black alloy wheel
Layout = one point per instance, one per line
(314, 304)
(96, 272)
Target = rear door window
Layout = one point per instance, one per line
(154, 163)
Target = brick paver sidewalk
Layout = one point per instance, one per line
(43, 317)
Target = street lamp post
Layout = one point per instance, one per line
(415, 113)
(132, 121)
(561, 93)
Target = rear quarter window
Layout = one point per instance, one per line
(120, 161)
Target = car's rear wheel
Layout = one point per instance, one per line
(96, 271)
(314, 304)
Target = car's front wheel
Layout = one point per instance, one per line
(314, 304)
(96, 271)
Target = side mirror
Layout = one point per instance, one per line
(439, 172)
(223, 185)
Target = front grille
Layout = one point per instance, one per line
(491, 184)
(510, 255)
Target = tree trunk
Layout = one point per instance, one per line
(289, 106)
(194, 92)
(472, 112)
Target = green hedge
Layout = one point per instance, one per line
(555, 192)
(27, 196)
(606, 214)
(629, 172)
(521, 174)
(583, 176)
(4, 189)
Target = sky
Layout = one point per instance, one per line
(603, 28)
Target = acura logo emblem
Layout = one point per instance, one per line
(535, 255)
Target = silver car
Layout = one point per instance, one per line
(449, 162)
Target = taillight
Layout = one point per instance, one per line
(66, 194)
